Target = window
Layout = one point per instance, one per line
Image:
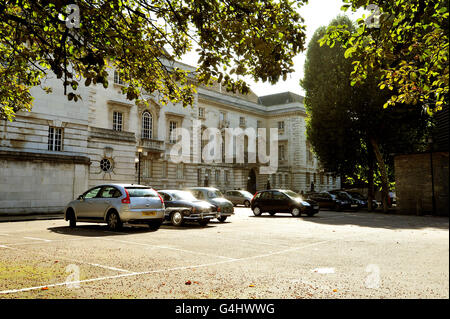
(281, 152)
(222, 116)
(334, 180)
(146, 168)
(117, 121)
(266, 195)
(110, 192)
(217, 176)
(280, 181)
(315, 180)
(258, 124)
(242, 121)
(164, 170)
(321, 179)
(201, 112)
(180, 171)
(117, 78)
(147, 125)
(106, 165)
(308, 179)
(55, 139)
(281, 125)
(278, 195)
(227, 176)
(172, 130)
(199, 176)
(92, 193)
(308, 152)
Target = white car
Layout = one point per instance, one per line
(116, 204)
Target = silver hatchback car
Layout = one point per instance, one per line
(116, 204)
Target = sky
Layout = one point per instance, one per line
(316, 13)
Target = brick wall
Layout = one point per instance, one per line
(414, 183)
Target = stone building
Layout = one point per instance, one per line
(52, 154)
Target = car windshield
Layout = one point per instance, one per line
(141, 192)
(214, 194)
(343, 196)
(182, 195)
(357, 196)
(292, 194)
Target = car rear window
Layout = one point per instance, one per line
(141, 192)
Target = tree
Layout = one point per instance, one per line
(348, 127)
(141, 39)
(408, 44)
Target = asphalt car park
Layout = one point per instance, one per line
(329, 255)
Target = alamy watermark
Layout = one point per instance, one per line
(226, 145)
(73, 18)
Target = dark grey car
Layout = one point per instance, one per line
(239, 197)
(214, 196)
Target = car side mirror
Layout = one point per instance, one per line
(80, 197)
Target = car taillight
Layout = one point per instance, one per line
(126, 200)
(254, 196)
(218, 209)
(162, 201)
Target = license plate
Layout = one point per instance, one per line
(354, 205)
(316, 207)
(149, 213)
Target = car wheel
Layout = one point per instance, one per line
(113, 220)
(247, 203)
(295, 212)
(71, 218)
(257, 211)
(222, 218)
(272, 213)
(203, 222)
(154, 225)
(177, 219)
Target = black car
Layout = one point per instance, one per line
(351, 203)
(182, 206)
(363, 199)
(282, 201)
(331, 201)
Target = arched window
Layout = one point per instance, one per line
(147, 125)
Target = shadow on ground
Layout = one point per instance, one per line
(99, 230)
(370, 219)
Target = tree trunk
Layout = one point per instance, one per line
(383, 171)
(370, 194)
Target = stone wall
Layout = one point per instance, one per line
(414, 183)
(40, 183)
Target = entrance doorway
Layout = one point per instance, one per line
(251, 181)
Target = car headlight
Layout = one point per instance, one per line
(305, 203)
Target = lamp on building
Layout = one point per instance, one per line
(139, 165)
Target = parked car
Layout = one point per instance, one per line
(182, 206)
(355, 204)
(331, 201)
(214, 196)
(116, 204)
(364, 199)
(282, 201)
(239, 197)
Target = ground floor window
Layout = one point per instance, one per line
(55, 138)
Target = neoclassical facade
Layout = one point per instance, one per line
(51, 155)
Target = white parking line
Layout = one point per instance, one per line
(182, 267)
(41, 239)
(167, 247)
(66, 259)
